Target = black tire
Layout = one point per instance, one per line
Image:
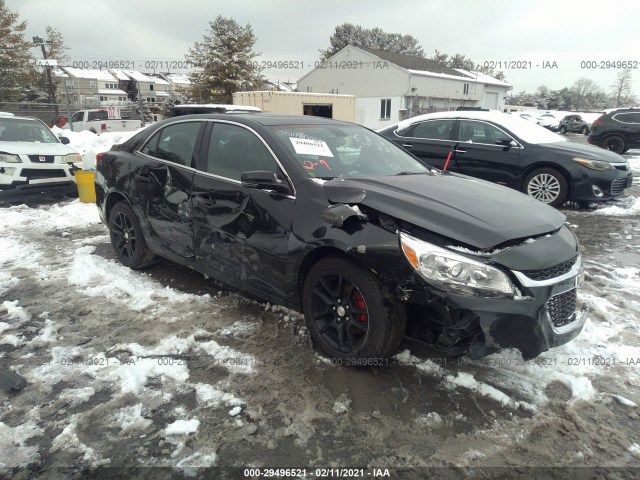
(563, 130)
(92, 130)
(614, 143)
(585, 130)
(127, 239)
(547, 185)
(351, 316)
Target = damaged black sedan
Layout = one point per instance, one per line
(332, 219)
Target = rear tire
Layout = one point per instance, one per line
(614, 143)
(547, 185)
(351, 316)
(127, 239)
(585, 130)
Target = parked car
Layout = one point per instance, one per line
(59, 122)
(33, 159)
(507, 150)
(573, 123)
(617, 131)
(330, 218)
(549, 121)
(100, 120)
(529, 117)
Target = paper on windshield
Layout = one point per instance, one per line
(304, 146)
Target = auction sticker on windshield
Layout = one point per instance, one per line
(304, 146)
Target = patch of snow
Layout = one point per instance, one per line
(15, 312)
(131, 421)
(47, 335)
(426, 366)
(197, 460)
(627, 206)
(429, 420)
(13, 451)
(342, 404)
(7, 282)
(235, 411)
(76, 396)
(210, 396)
(625, 401)
(68, 441)
(182, 427)
(239, 329)
(467, 380)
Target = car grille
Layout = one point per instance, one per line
(42, 173)
(624, 168)
(619, 184)
(562, 308)
(42, 158)
(548, 273)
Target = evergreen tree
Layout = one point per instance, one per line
(143, 109)
(16, 62)
(350, 34)
(224, 61)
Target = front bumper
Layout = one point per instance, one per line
(608, 185)
(532, 324)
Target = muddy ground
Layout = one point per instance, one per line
(245, 374)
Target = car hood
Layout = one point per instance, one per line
(29, 148)
(475, 212)
(585, 151)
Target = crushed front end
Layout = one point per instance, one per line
(521, 296)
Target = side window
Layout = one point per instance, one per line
(175, 143)
(433, 129)
(479, 132)
(627, 117)
(98, 115)
(77, 117)
(233, 150)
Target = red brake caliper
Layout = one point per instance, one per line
(358, 300)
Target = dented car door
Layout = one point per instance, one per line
(241, 234)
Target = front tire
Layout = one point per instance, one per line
(563, 130)
(351, 316)
(585, 130)
(127, 240)
(614, 143)
(547, 185)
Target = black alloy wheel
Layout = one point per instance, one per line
(127, 239)
(614, 143)
(349, 313)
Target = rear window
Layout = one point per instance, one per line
(98, 115)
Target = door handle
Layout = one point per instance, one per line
(460, 151)
(407, 145)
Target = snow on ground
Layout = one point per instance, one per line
(130, 366)
(627, 206)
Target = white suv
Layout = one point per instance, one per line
(33, 159)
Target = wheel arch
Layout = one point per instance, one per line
(554, 166)
(312, 257)
(112, 199)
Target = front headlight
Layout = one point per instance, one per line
(72, 158)
(5, 157)
(453, 272)
(593, 164)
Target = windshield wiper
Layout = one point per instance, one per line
(409, 173)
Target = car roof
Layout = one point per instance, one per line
(494, 115)
(266, 119)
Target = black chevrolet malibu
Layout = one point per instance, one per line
(514, 152)
(332, 219)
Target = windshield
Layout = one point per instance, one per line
(329, 151)
(22, 130)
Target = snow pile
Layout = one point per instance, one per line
(45, 218)
(239, 329)
(210, 396)
(627, 206)
(107, 279)
(134, 376)
(468, 381)
(131, 421)
(634, 163)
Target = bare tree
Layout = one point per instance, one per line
(621, 88)
(581, 89)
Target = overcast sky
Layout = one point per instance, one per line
(566, 32)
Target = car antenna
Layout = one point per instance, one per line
(454, 147)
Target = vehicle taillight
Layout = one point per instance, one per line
(98, 158)
(103, 127)
(598, 122)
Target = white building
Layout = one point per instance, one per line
(390, 87)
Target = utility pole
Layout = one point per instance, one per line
(52, 93)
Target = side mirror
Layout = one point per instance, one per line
(64, 140)
(506, 142)
(264, 179)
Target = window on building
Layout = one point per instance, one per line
(465, 89)
(92, 84)
(385, 108)
(151, 87)
(69, 83)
